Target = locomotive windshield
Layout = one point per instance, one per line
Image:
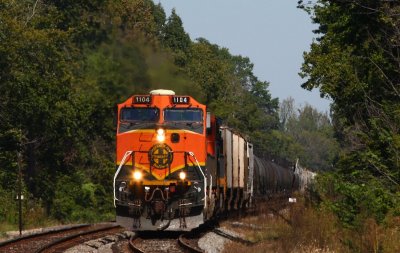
(186, 115)
(139, 114)
(186, 118)
(138, 118)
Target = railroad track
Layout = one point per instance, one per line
(154, 242)
(169, 242)
(58, 240)
(175, 242)
(189, 243)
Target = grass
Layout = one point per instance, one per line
(283, 228)
(35, 217)
(4, 227)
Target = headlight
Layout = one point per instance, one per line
(182, 175)
(137, 175)
(160, 135)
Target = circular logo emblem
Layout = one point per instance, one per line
(161, 156)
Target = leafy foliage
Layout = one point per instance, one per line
(307, 135)
(230, 89)
(355, 63)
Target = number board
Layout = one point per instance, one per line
(180, 100)
(142, 99)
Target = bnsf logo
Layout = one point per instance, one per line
(160, 156)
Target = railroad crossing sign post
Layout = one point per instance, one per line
(20, 196)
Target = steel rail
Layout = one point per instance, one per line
(232, 237)
(16, 240)
(134, 248)
(57, 243)
(180, 241)
(187, 246)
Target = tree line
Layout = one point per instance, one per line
(354, 61)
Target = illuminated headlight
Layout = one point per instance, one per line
(182, 175)
(160, 135)
(137, 175)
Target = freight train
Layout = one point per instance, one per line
(177, 166)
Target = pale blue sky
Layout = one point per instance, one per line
(272, 33)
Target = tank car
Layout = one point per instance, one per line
(271, 178)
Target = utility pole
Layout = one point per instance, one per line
(19, 193)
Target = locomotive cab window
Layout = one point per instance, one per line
(187, 118)
(186, 115)
(138, 117)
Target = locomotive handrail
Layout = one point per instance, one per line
(204, 176)
(127, 154)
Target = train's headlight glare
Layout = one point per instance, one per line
(160, 135)
(137, 175)
(160, 131)
(182, 175)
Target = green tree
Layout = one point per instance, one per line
(52, 108)
(310, 133)
(230, 89)
(354, 62)
(176, 39)
(160, 19)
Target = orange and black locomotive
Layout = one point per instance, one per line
(163, 142)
